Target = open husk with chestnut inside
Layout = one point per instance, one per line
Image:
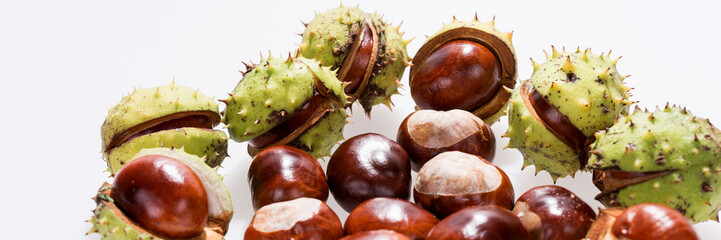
(163, 194)
(172, 116)
(293, 101)
(465, 65)
(369, 54)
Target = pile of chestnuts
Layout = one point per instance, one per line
(462, 80)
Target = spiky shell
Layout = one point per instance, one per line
(146, 104)
(112, 224)
(489, 27)
(319, 139)
(584, 87)
(668, 139)
(275, 89)
(210, 144)
(328, 38)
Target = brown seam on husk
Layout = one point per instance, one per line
(348, 61)
(122, 137)
(580, 146)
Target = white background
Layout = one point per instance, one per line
(63, 64)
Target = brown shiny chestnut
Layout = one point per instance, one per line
(463, 68)
(459, 74)
(482, 223)
(376, 235)
(162, 195)
(427, 133)
(367, 166)
(553, 212)
(302, 218)
(398, 215)
(641, 222)
(280, 173)
(455, 180)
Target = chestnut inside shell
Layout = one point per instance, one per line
(358, 63)
(162, 195)
(196, 119)
(463, 68)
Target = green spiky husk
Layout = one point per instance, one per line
(591, 102)
(594, 100)
(486, 27)
(272, 87)
(111, 226)
(320, 138)
(538, 146)
(668, 139)
(146, 104)
(212, 145)
(328, 38)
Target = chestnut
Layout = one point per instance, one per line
(427, 133)
(367, 166)
(454, 180)
(376, 235)
(553, 212)
(480, 222)
(391, 214)
(464, 67)
(163, 195)
(301, 218)
(640, 222)
(280, 173)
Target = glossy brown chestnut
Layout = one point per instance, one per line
(376, 235)
(459, 74)
(302, 218)
(641, 222)
(427, 133)
(162, 195)
(454, 180)
(553, 212)
(482, 223)
(652, 221)
(358, 64)
(367, 166)
(391, 214)
(280, 173)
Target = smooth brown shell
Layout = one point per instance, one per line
(427, 133)
(322, 224)
(367, 166)
(391, 214)
(482, 223)
(162, 195)
(464, 195)
(553, 212)
(502, 55)
(280, 173)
